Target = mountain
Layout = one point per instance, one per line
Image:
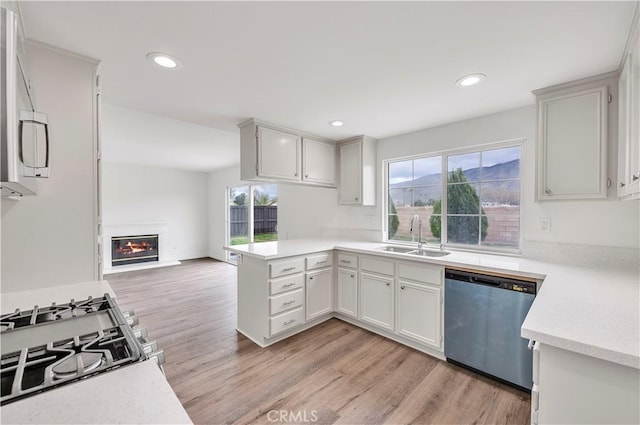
(501, 192)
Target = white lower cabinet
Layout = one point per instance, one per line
(347, 289)
(377, 300)
(419, 313)
(574, 388)
(319, 293)
(401, 300)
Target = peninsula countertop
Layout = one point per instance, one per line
(587, 310)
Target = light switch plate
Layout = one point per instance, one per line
(545, 224)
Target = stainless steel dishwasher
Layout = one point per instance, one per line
(482, 319)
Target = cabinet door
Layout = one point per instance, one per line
(278, 154)
(348, 292)
(573, 144)
(419, 312)
(350, 189)
(624, 126)
(319, 162)
(319, 295)
(376, 300)
(634, 118)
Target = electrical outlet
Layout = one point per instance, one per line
(545, 224)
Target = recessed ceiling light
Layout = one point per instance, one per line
(469, 80)
(163, 60)
(336, 123)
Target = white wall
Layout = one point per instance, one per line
(49, 239)
(135, 194)
(605, 222)
(303, 211)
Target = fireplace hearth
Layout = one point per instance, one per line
(134, 249)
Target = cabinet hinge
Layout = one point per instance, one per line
(257, 167)
(98, 88)
(608, 182)
(257, 134)
(610, 98)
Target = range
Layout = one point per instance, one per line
(46, 347)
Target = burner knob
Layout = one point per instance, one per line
(149, 347)
(140, 332)
(128, 313)
(130, 317)
(158, 356)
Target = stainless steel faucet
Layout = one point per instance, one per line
(413, 219)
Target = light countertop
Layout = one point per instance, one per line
(135, 394)
(592, 311)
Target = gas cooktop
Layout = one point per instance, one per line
(46, 347)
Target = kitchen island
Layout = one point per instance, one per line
(591, 313)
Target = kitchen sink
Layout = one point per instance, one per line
(413, 251)
(398, 249)
(428, 253)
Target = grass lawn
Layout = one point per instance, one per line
(264, 237)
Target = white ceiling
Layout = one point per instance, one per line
(384, 68)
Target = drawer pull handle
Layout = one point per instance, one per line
(286, 269)
(402, 287)
(635, 177)
(289, 302)
(288, 322)
(345, 261)
(321, 262)
(286, 285)
(388, 284)
(353, 276)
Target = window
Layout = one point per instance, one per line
(481, 193)
(253, 214)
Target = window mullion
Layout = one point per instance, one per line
(250, 214)
(444, 201)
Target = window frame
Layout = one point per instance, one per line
(444, 154)
(250, 214)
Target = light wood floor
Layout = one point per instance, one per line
(334, 372)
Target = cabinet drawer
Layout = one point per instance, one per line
(421, 273)
(377, 266)
(283, 302)
(286, 267)
(286, 284)
(346, 260)
(319, 260)
(286, 321)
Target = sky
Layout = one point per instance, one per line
(412, 169)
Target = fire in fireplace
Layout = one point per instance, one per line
(134, 249)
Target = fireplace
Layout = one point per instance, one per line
(133, 249)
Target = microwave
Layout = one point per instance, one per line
(24, 133)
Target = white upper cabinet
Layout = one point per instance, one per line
(572, 140)
(278, 154)
(272, 153)
(357, 183)
(319, 162)
(629, 122)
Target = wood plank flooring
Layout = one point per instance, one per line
(334, 373)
